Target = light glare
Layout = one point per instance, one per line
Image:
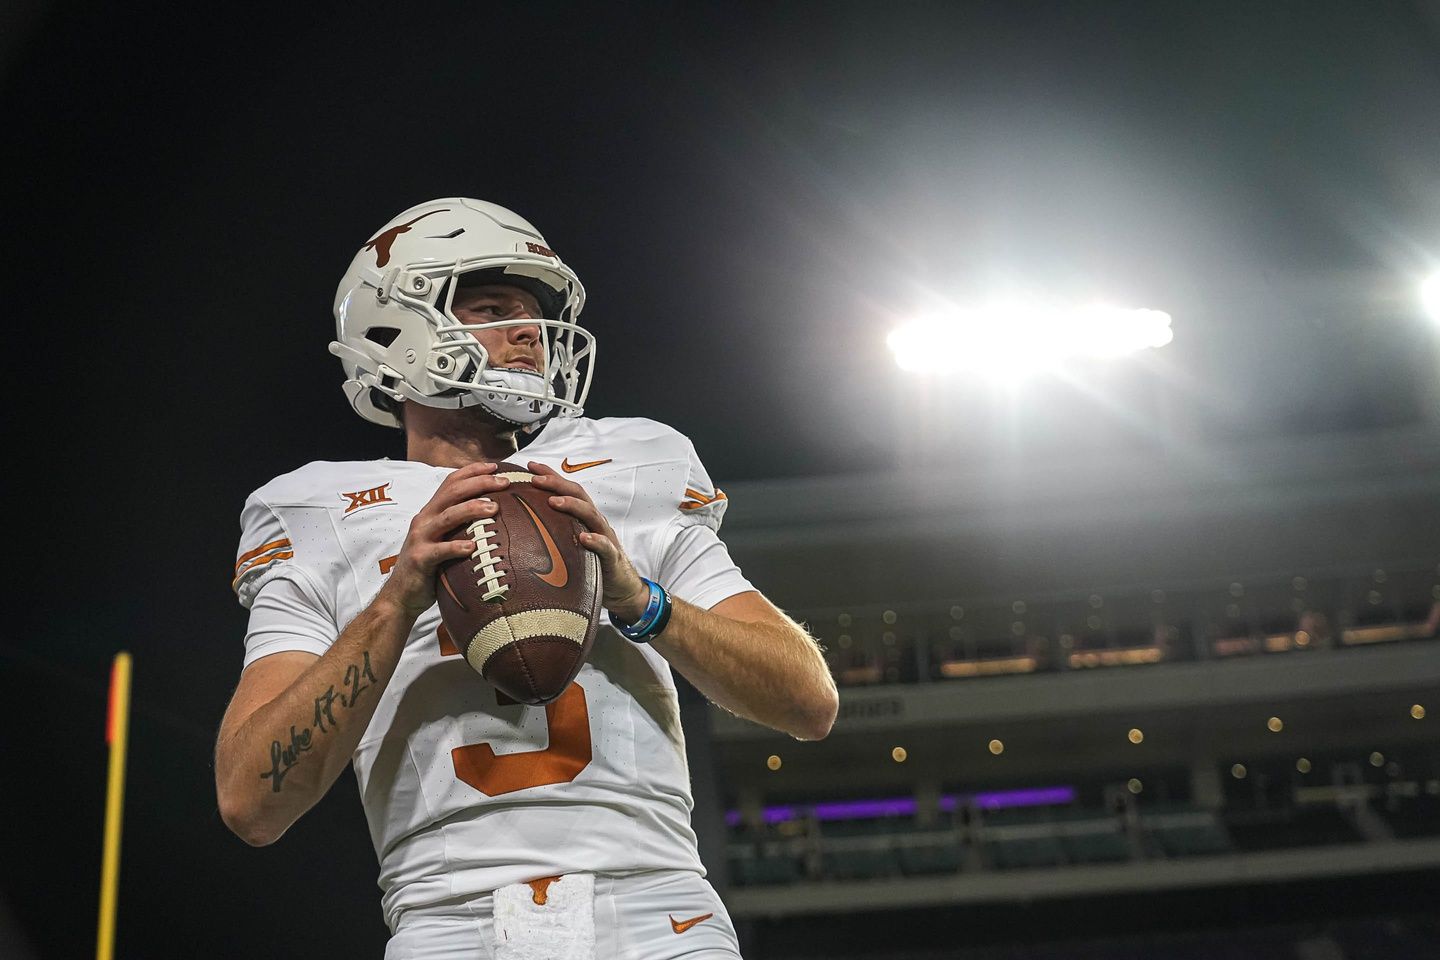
(1013, 339)
(1430, 295)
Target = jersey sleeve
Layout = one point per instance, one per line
(695, 565)
(287, 614)
(287, 610)
(703, 503)
(265, 549)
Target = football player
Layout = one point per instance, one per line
(502, 829)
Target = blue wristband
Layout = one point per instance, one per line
(654, 618)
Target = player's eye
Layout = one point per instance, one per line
(492, 310)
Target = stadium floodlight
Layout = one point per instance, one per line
(1010, 338)
(1430, 295)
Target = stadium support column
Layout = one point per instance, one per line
(927, 803)
(752, 808)
(1205, 787)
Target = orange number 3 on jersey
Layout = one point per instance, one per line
(568, 719)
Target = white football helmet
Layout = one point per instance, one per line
(399, 341)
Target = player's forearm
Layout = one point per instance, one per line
(770, 673)
(282, 759)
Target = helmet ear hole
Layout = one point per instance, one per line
(383, 401)
(382, 335)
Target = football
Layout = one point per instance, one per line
(523, 608)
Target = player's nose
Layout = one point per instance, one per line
(524, 332)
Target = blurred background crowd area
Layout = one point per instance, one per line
(1176, 699)
(978, 637)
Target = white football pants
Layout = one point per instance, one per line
(660, 915)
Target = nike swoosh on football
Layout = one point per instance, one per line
(451, 590)
(558, 575)
(569, 467)
(680, 926)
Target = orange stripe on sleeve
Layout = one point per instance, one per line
(699, 499)
(264, 548)
(262, 562)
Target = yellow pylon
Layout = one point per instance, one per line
(117, 733)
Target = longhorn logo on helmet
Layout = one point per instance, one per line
(382, 244)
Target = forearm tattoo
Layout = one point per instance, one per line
(283, 757)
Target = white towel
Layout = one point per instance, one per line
(542, 920)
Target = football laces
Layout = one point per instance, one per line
(490, 577)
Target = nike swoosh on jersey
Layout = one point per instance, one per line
(558, 575)
(569, 467)
(680, 926)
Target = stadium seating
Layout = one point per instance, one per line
(1291, 827)
(1179, 830)
(1095, 841)
(1414, 816)
(1055, 838)
(966, 639)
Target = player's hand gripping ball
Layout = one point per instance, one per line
(524, 607)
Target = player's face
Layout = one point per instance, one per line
(515, 346)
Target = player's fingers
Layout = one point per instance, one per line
(478, 468)
(601, 545)
(432, 555)
(467, 488)
(552, 482)
(471, 486)
(582, 510)
(620, 578)
(466, 473)
(460, 514)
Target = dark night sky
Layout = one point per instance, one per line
(751, 194)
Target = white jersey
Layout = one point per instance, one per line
(465, 793)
